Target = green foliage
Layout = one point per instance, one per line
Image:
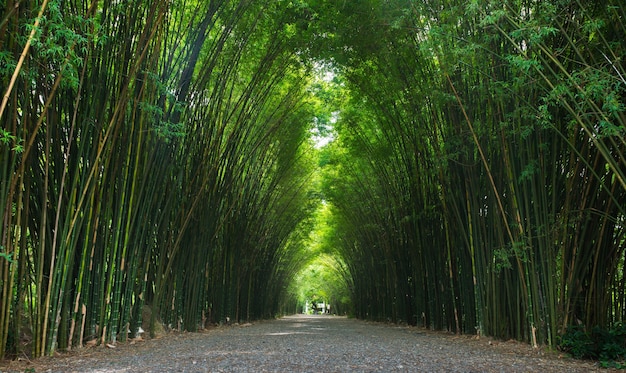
(501, 259)
(179, 134)
(6, 256)
(322, 276)
(6, 138)
(7, 63)
(475, 180)
(62, 41)
(577, 342)
(607, 346)
(322, 281)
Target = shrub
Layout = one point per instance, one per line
(607, 346)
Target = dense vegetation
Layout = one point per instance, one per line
(158, 155)
(154, 153)
(482, 164)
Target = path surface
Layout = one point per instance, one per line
(311, 344)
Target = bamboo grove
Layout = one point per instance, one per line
(156, 166)
(478, 175)
(153, 157)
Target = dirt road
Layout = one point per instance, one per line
(310, 344)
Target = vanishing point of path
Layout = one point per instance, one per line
(311, 344)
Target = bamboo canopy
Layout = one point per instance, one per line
(157, 165)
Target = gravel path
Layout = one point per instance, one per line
(310, 344)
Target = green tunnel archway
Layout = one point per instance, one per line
(166, 157)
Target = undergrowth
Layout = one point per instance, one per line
(606, 346)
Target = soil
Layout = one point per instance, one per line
(309, 344)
